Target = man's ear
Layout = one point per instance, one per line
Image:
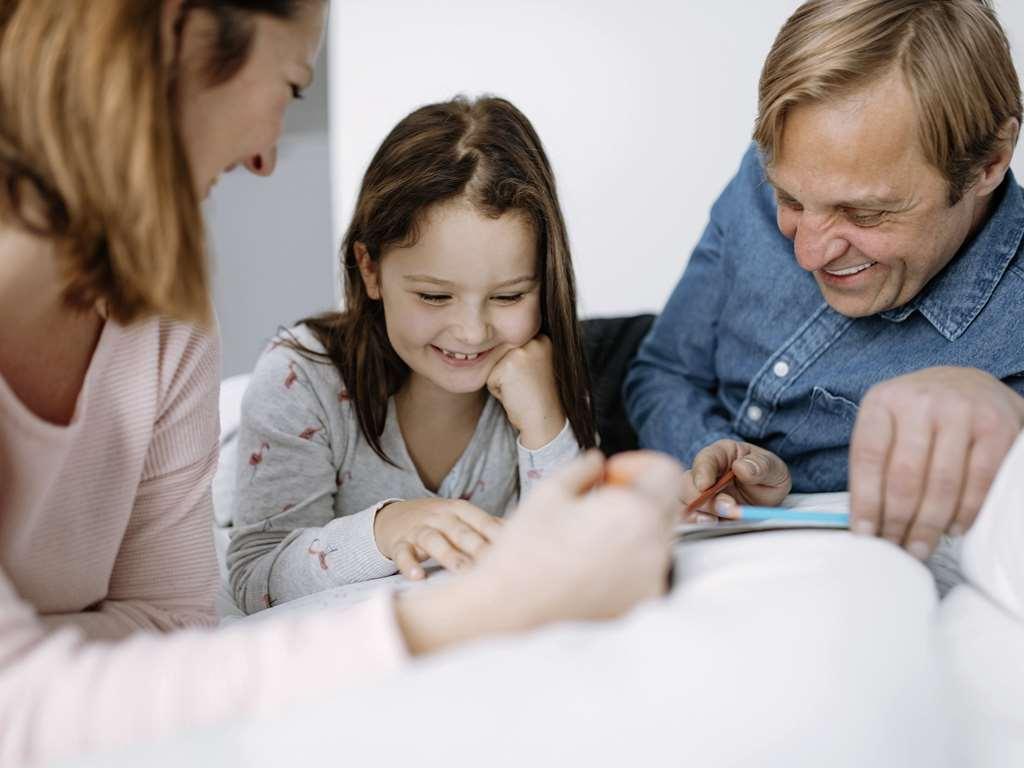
(994, 171)
(170, 28)
(369, 269)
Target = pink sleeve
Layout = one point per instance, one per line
(61, 695)
(165, 576)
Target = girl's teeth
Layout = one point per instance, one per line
(460, 356)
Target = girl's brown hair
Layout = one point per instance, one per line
(90, 153)
(488, 153)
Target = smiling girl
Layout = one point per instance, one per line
(403, 427)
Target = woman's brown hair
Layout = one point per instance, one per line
(90, 153)
(486, 152)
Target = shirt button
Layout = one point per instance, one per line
(781, 369)
(754, 413)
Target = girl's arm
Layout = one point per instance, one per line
(287, 541)
(535, 465)
(165, 575)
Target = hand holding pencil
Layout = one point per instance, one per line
(728, 473)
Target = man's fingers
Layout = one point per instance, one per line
(405, 560)
(942, 492)
(982, 467)
(907, 472)
(711, 461)
(869, 457)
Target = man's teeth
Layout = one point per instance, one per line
(460, 356)
(850, 270)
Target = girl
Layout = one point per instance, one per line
(398, 429)
(116, 116)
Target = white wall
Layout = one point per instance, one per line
(644, 107)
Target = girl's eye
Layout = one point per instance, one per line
(297, 92)
(509, 298)
(792, 205)
(434, 298)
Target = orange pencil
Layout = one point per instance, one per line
(710, 493)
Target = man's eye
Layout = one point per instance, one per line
(297, 92)
(872, 219)
(434, 298)
(509, 298)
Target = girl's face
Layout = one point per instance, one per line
(240, 121)
(462, 296)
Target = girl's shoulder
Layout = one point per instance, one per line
(296, 360)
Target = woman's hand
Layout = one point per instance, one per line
(523, 381)
(762, 478)
(574, 550)
(452, 531)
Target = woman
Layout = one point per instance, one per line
(116, 119)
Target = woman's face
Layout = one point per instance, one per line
(239, 122)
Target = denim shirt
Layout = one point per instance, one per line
(748, 349)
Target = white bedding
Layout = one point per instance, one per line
(789, 649)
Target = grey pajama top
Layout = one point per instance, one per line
(309, 485)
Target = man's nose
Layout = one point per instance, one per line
(263, 163)
(815, 245)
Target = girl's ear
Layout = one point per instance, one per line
(369, 269)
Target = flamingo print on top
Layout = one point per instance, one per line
(337, 483)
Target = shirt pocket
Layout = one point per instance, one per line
(817, 448)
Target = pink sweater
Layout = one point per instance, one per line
(105, 529)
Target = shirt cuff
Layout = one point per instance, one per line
(360, 550)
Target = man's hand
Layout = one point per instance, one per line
(925, 449)
(762, 478)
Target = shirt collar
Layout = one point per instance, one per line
(954, 297)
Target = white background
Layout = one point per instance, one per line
(645, 108)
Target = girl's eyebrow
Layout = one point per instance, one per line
(448, 283)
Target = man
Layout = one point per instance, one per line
(855, 308)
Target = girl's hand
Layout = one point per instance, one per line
(762, 478)
(452, 531)
(606, 548)
(523, 381)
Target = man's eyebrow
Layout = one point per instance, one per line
(448, 283)
(868, 201)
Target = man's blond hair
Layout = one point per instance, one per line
(953, 55)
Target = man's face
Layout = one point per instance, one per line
(867, 214)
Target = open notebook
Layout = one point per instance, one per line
(816, 502)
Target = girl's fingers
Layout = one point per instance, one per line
(464, 537)
(434, 543)
(487, 526)
(407, 563)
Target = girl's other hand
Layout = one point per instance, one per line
(762, 478)
(452, 531)
(523, 381)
